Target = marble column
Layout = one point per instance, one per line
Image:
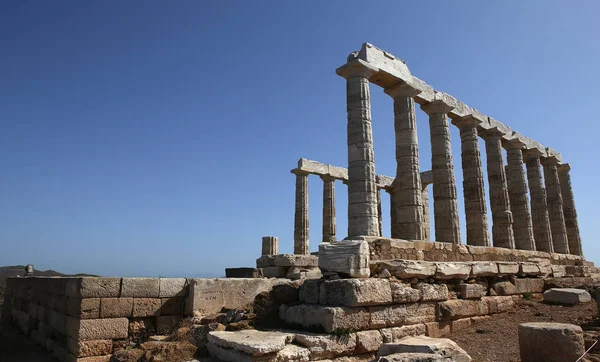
(328, 209)
(473, 185)
(270, 245)
(407, 184)
(517, 192)
(379, 216)
(445, 204)
(301, 245)
(539, 207)
(426, 221)
(569, 210)
(362, 188)
(502, 220)
(555, 205)
(393, 208)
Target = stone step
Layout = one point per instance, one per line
(443, 348)
(252, 342)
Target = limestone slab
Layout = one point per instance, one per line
(368, 341)
(252, 342)
(529, 269)
(484, 269)
(329, 319)
(529, 285)
(457, 308)
(470, 291)
(407, 269)
(433, 292)
(401, 314)
(323, 346)
(140, 287)
(116, 307)
(89, 348)
(93, 287)
(567, 296)
(505, 288)
(172, 287)
(404, 293)
(296, 260)
(452, 270)
(146, 307)
(309, 291)
(348, 257)
(442, 347)
(508, 268)
(94, 329)
(355, 292)
(396, 333)
(289, 353)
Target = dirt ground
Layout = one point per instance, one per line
(496, 339)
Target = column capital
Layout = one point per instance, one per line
(468, 121)
(563, 168)
(436, 107)
(549, 160)
(402, 89)
(491, 133)
(327, 177)
(531, 153)
(300, 172)
(356, 68)
(513, 143)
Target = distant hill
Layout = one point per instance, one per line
(15, 270)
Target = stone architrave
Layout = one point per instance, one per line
(502, 220)
(569, 211)
(270, 245)
(555, 205)
(362, 186)
(445, 204)
(517, 191)
(329, 222)
(542, 233)
(407, 184)
(301, 245)
(473, 184)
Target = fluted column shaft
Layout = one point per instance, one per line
(539, 207)
(301, 245)
(393, 208)
(362, 188)
(473, 187)
(329, 222)
(407, 184)
(445, 204)
(519, 203)
(426, 217)
(502, 220)
(569, 210)
(270, 245)
(555, 207)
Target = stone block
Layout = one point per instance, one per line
(457, 309)
(470, 291)
(21, 319)
(407, 269)
(441, 348)
(529, 269)
(347, 257)
(93, 329)
(243, 273)
(498, 304)
(298, 260)
(433, 292)
(569, 296)
(355, 292)
(329, 319)
(505, 288)
(210, 295)
(146, 326)
(265, 261)
(368, 341)
(297, 273)
(447, 271)
(172, 287)
(140, 287)
(550, 342)
(89, 348)
(575, 270)
(323, 346)
(309, 291)
(558, 271)
(83, 308)
(396, 333)
(166, 324)
(93, 287)
(438, 329)
(508, 268)
(172, 306)
(462, 324)
(484, 269)
(529, 285)
(289, 353)
(146, 307)
(275, 271)
(57, 321)
(252, 342)
(401, 314)
(116, 307)
(404, 293)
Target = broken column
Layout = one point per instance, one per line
(407, 185)
(445, 205)
(555, 205)
(328, 208)
(517, 190)
(301, 245)
(473, 186)
(362, 188)
(569, 211)
(539, 207)
(502, 220)
(270, 245)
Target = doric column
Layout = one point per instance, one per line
(407, 184)
(270, 245)
(569, 210)
(445, 205)
(517, 191)
(539, 207)
(328, 208)
(426, 220)
(555, 205)
(362, 188)
(379, 216)
(473, 188)
(301, 245)
(502, 220)
(393, 208)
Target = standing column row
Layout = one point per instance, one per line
(569, 211)
(555, 206)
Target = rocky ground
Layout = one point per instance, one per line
(497, 340)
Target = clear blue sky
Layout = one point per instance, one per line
(156, 138)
